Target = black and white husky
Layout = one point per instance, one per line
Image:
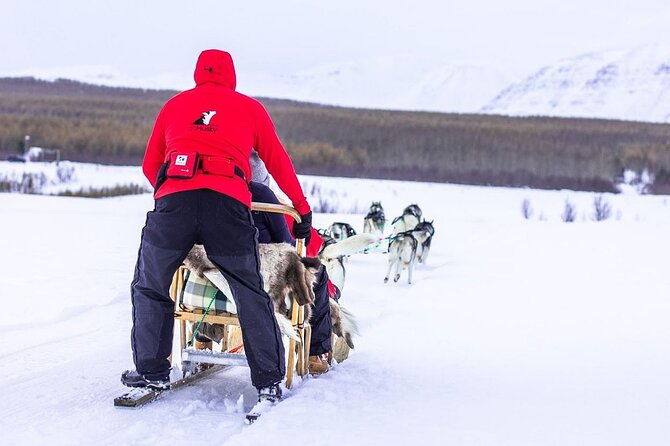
(425, 230)
(332, 256)
(411, 216)
(375, 220)
(401, 255)
(408, 247)
(333, 252)
(339, 230)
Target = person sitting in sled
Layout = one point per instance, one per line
(273, 228)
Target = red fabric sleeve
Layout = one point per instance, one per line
(315, 242)
(155, 153)
(277, 161)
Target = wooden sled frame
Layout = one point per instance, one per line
(298, 353)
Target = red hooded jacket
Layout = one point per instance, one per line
(214, 120)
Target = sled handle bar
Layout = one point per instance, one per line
(281, 209)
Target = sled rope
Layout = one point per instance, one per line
(197, 328)
(381, 242)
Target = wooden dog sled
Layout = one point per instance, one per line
(229, 355)
(199, 360)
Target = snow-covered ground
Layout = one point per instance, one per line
(517, 331)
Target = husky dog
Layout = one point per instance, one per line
(408, 247)
(332, 254)
(375, 220)
(339, 231)
(413, 209)
(285, 275)
(410, 217)
(423, 232)
(402, 254)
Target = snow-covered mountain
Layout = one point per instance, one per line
(397, 83)
(631, 84)
(626, 84)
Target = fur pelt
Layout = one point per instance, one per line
(285, 275)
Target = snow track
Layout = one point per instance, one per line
(516, 331)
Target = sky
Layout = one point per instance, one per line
(163, 38)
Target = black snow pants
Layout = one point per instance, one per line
(320, 320)
(224, 226)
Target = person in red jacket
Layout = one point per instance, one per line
(197, 159)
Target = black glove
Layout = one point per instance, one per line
(303, 229)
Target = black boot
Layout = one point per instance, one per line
(132, 378)
(271, 393)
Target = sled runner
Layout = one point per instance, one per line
(140, 396)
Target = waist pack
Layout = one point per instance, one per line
(182, 164)
(185, 164)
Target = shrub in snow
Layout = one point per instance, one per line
(325, 206)
(327, 201)
(526, 209)
(569, 212)
(103, 192)
(65, 172)
(601, 208)
(30, 183)
(636, 182)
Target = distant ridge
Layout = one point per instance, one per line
(628, 85)
(111, 125)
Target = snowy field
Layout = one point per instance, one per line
(517, 331)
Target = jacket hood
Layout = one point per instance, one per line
(215, 66)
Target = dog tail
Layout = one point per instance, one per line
(348, 246)
(349, 326)
(286, 327)
(344, 323)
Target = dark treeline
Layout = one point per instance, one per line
(112, 125)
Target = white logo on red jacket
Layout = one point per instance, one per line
(205, 118)
(181, 160)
